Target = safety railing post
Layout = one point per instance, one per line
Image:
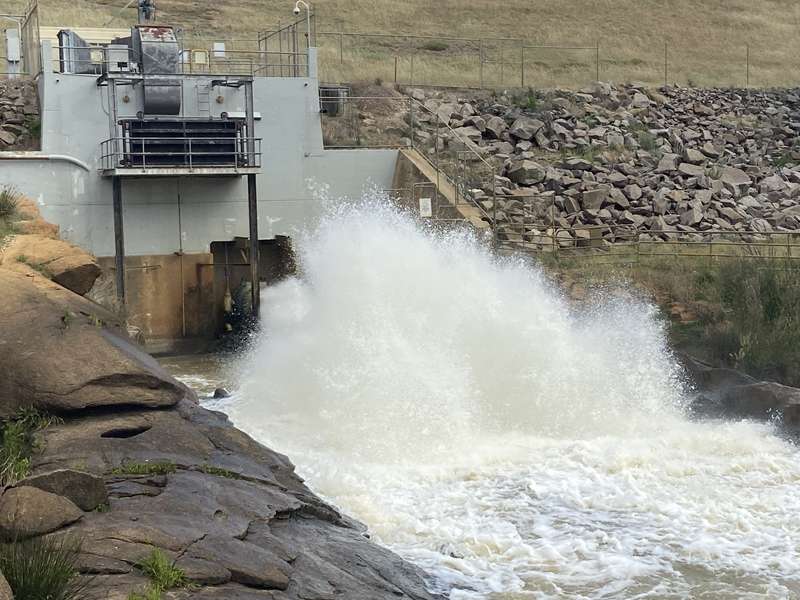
(341, 48)
(597, 61)
(522, 64)
(480, 63)
(411, 117)
(747, 66)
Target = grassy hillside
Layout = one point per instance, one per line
(706, 39)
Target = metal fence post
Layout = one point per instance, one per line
(665, 64)
(747, 66)
(597, 61)
(341, 48)
(480, 61)
(395, 68)
(502, 64)
(522, 64)
(411, 117)
(412, 68)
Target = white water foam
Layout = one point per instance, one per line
(509, 445)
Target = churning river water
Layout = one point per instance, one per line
(509, 444)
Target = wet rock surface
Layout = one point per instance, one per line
(135, 464)
(723, 392)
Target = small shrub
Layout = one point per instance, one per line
(162, 571)
(9, 200)
(155, 468)
(43, 568)
(435, 46)
(18, 443)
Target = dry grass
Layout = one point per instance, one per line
(707, 39)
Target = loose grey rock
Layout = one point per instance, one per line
(524, 128)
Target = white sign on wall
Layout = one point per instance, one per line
(425, 208)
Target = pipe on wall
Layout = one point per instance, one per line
(52, 157)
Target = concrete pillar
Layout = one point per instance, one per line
(313, 73)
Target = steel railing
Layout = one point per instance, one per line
(94, 60)
(192, 152)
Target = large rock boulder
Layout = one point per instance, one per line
(527, 172)
(61, 353)
(27, 511)
(524, 128)
(67, 265)
(85, 490)
(764, 400)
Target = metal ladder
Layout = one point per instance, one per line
(204, 99)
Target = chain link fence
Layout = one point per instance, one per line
(511, 62)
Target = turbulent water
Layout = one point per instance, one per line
(511, 446)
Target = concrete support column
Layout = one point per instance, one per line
(119, 239)
(252, 205)
(313, 72)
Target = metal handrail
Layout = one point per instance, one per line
(117, 152)
(468, 144)
(249, 62)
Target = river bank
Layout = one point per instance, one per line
(115, 476)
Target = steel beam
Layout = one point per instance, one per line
(252, 205)
(119, 240)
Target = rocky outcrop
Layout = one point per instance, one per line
(67, 265)
(19, 114)
(61, 353)
(135, 464)
(677, 163)
(232, 513)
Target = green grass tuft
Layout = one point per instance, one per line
(22, 258)
(43, 568)
(218, 472)
(162, 571)
(154, 468)
(18, 443)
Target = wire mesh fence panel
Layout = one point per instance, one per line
(559, 66)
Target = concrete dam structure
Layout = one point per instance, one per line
(177, 173)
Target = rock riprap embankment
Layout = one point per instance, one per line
(633, 162)
(134, 464)
(19, 114)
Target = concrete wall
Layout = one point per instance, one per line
(165, 215)
(170, 223)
